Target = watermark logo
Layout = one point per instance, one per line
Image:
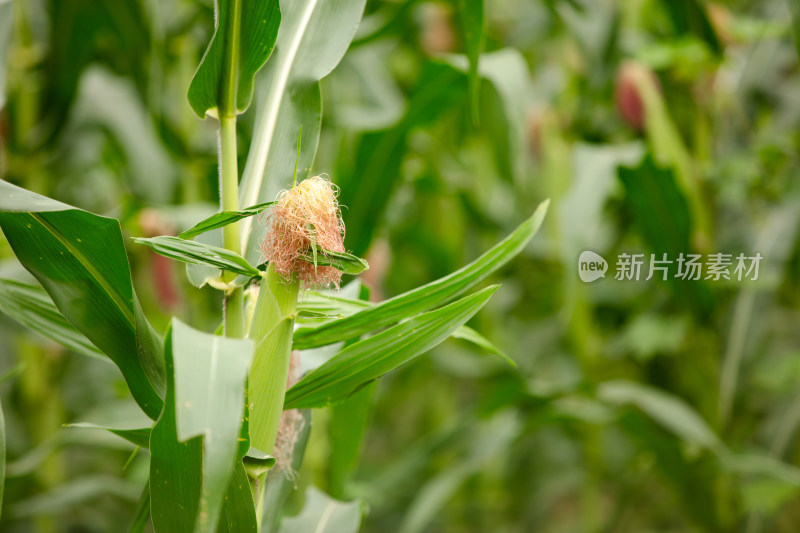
(689, 267)
(591, 266)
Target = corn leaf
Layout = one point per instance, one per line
(176, 468)
(425, 297)
(255, 37)
(373, 357)
(210, 374)
(314, 36)
(199, 254)
(138, 436)
(471, 14)
(470, 335)
(32, 307)
(222, 219)
(79, 259)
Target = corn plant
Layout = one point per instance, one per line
(226, 434)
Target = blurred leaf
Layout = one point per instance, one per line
(198, 253)
(669, 150)
(425, 297)
(6, 25)
(689, 16)
(30, 306)
(347, 428)
(655, 198)
(79, 258)
(139, 436)
(471, 14)
(210, 374)
(487, 441)
(507, 75)
(176, 468)
(669, 411)
(323, 514)
(313, 37)
(115, 33)
(794, 9)
(470, 335)
(222, 219)
(253, 37)
(373, 357)
(62, 498)
(366, 94)
(347, 263)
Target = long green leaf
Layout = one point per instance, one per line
(176, 468)
(222, 219)
(314, 36)
(32, 307)
(373, 357)
(425, 297)
(255, 37)
(6, 25)
(470, 335)
(471, 14)
(138, 436)
(666, 409)
(199, 254)
(210, 373)
(79, 258)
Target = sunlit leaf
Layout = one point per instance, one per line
(210, 374)
(222, 219)
(313, 37)
(470, 335)
(254, 36)
(80, 260)
(198, 253)
(425, 297)
(373, 357)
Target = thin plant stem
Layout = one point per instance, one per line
(229, 169)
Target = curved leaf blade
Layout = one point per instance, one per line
(222, 219)
(257, 32)
(210, 374)
(32, 307)
(313, 37)
(198, 253)
(373, 357)
(425, 297)
(79, 258)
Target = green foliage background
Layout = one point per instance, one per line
(635, 406)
